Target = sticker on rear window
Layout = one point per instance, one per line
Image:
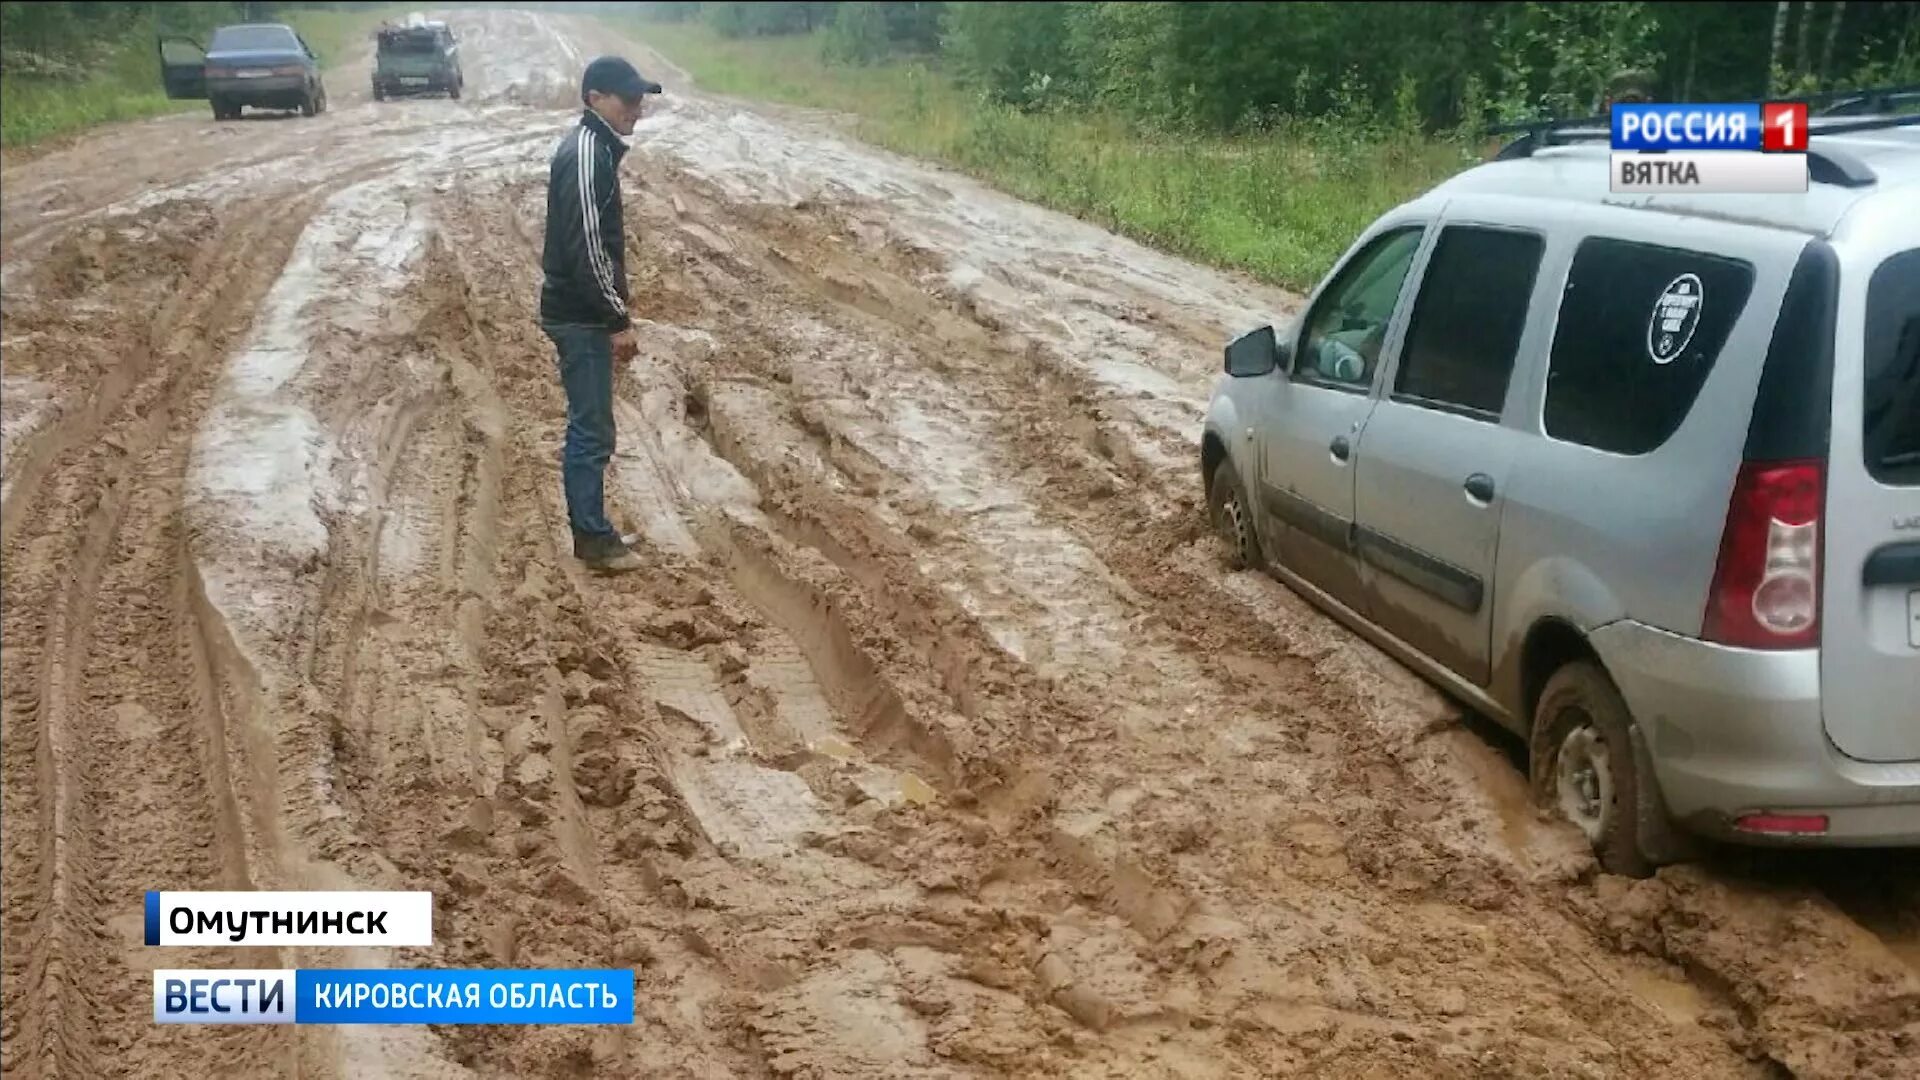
(1675, 315)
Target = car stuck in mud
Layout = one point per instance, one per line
(1634, 492)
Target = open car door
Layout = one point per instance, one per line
(183, 68)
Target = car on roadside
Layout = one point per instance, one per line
(417, 58)
(1636, 476)
(257, 65)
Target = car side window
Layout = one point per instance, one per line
(182, 52)
(1345, 329)
(1466, 324)
(1890, 428)
(1640, 327)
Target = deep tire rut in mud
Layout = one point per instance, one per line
(935, 738)
(113, 735)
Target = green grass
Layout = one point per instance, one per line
(1281, 205)
(125, 83)
(37, 110)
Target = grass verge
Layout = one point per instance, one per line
(124, 82)
(1281, 205)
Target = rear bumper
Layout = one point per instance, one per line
(400, 80)
(277, 91)
(1737, 731)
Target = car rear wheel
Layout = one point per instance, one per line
(310, 105)
(1590, 766)
(1232, 517)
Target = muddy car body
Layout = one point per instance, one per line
(1633, 475)
(259, 65)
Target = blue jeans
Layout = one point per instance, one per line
(586, 370)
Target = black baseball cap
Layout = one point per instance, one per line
(612, 75)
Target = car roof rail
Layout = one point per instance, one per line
(1559, 131)
(1877, 99)
(1827, 164)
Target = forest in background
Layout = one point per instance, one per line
(1260, 137)
(1237, 66)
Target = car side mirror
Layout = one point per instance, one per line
(1256, 352)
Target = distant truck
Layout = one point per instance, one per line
(263, 65)
(417, 58)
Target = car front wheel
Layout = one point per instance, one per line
(1232, 517)
(1590, 765)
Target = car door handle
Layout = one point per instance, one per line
(1479, 487)
(1342, 448)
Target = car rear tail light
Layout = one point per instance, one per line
(1783, 824)
(289, 69)
(214, 72)
(1766, 587)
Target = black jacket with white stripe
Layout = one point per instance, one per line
(585, 258)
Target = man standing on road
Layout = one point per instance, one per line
(583, 299)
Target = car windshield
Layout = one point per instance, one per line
(254, 39)
(419, 41)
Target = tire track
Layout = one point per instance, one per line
(759, 756)
(573, 778)
(117, 781)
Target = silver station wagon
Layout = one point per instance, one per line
(1637, 476)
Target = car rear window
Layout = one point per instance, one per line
(415, 41)
(1890, 428)
(1639, 330)
(253, 39)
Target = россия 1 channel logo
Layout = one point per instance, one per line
(1751, 148)
(386, 995)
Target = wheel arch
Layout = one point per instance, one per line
(1551, 644)
(1216, 446)
(1213, 451)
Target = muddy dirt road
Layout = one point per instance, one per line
(936, 741)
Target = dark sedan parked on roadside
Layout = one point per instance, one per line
(263, 65)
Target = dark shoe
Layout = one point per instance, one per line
(606, 554)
